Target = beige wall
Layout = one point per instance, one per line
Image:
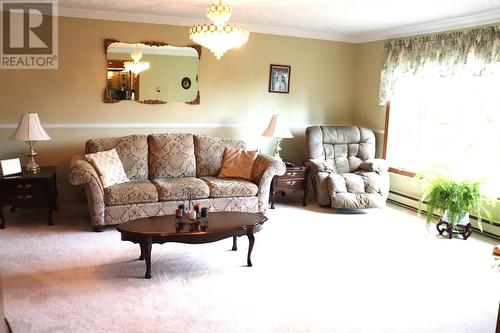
(234, 91)
(369, 60)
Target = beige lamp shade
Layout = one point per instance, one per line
(30, 129)
(277, 128)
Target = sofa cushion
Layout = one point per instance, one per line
(180, 188)
(171, 156)
(134, 191)
(209, 151)
(132, 150)
(222, 188)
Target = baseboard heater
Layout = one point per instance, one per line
(494, 224)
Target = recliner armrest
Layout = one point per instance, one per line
(375, 165)
(316, 166)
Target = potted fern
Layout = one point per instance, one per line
(452, 201)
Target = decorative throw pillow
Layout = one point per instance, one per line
(108, 166)
(496, 250)
(237, 163)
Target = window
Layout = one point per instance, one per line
(452, 122)
(444, 91)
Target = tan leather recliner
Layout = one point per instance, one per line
(343, 169)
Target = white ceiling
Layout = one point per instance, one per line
(344, 20)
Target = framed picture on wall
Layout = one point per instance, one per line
(279, 79)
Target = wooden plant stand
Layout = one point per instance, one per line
(446, 229)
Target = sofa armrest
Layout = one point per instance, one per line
(375, 165)
(81, 172)
(316, 166)
(263, 172)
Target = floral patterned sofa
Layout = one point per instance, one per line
(163, 170)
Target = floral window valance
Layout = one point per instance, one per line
(473, 52)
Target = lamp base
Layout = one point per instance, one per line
(32, 169)
(277, 148)
(32, 166)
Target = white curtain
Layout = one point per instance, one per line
(469, 52)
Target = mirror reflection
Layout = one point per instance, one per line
(151, 73)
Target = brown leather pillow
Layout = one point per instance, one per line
(237, 163)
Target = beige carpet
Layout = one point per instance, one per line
(314, 271)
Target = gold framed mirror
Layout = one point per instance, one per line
(151, 72)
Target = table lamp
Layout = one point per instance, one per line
(30, 130)
(278, 129)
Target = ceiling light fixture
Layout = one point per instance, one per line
(137, 66)
(218, 36)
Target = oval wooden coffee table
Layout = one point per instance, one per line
(161, 229)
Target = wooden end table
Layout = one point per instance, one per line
(162, 229)
(294, 179)
(29, 190)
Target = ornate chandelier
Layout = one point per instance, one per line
(137, 66)
(218, 36)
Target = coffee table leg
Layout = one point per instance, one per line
(251, 240)
(51, 221)
(147, 256)
(142, 251)
(2, 218)
(235, 245)
(306, 192)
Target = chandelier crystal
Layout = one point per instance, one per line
(137, 66)
(219, 37)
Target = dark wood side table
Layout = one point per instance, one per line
(28, 190)
(294, 179)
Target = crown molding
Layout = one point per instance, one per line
(281, 31)
(469, 21)
(124, 16)
(185, 21)
(411, 30)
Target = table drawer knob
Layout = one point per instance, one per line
(24, 186)
(291, 182)
(291, 174)
(24, 197)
